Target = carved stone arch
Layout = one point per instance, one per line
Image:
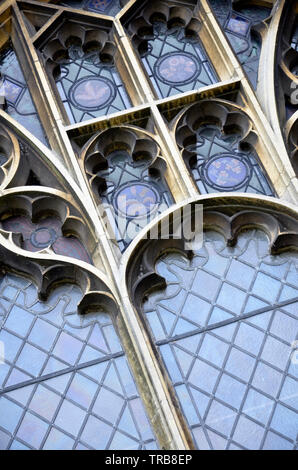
(26, 204)
(48, 271)
(228, 117)
(141, 26)
(26, 163)
(279, 79)
(138, 143)
(86, 37)
(229, 216)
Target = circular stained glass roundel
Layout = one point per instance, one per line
(227, 172)
(92, 93)
(177, 68)
(136, 200)
(43, 237)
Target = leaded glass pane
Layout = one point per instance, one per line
(104, 7)
(223, 166)
(15, 93)
(239, 28)
(90, 88)
(225, 327)
(65, 382)
(133, 196)
(176, 64)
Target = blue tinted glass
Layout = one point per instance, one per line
(134, 195)
(238, 26)
(90, 88)
(176, 64)
(18, 101)
(221, 166)
(79, 405)
(231, 363)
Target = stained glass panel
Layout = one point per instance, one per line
(133, 195)
(47, 233)
(239, 28)
(176, 64)
(225, 327)
(65, 382)
(222, 166)
(17, 99)
(90, 88)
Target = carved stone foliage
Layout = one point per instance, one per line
(126, 172)
(218, 141)
(229, 220)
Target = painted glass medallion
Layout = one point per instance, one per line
(227, 171)
(178, 68)
(137, 200)
(92, 93)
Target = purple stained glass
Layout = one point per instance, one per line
(177, 68)
(98, 5)
(238, 24)
(226, 172)
(44, 234)
(10, 90)
(92, 93)
(136, 200)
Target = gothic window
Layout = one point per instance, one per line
(171, 50)
(223, 328)
(216, 147)
(82, 62)
(148, 251)
(242, 28)
(129, 182)
(66, 382)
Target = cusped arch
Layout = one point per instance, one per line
(137, 143)
(229, 215)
